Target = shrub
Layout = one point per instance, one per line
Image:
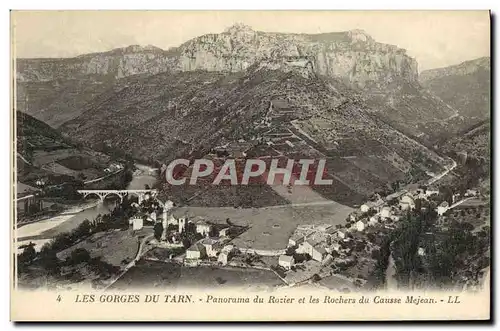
(79, 255)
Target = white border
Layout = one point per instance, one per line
(186, 4)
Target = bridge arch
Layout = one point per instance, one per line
(102, 194)
(86, 195)
(118, 194)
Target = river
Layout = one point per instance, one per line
(41, 232)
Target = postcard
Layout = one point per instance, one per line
(251, 165)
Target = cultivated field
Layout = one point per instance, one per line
(113, 246)
(149, 274)
(271, 227)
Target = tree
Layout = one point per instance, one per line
(28, 254)
(375, 254)
(158, 230)
(418, 204)
(316, 278)
(49, 260)
(79, 255)
(290, 250)
(213, 232)
(83, 230)
(61, 241)
(360, 245)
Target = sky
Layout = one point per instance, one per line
(434, 38)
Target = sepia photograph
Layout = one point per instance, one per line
(302, 159)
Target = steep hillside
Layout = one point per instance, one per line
(273, 108)
(352, 57)
(57, 101)
(474, 143)
(413, 110)
(43, 153)
(472, 150)
(114, 64)
(465, 87)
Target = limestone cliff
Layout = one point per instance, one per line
(352, 56)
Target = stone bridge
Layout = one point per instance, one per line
(102, 194)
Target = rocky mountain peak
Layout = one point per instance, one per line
(352, 56)
(359, 35)
(239, 28)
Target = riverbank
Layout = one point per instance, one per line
(42, 231)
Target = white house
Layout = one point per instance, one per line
(196, 251)
(336, 247)
(319, 253)
(360, 226)
(225, 254)
(373, 220)
(340, 234)
(364, 207)
(316, 251)
(395, 218)
(182, 224)
(442, 208)
(421, 251)
(328, 258)
(471, 193)
(295, 240)
(386, 212)
(430, 192)
(224, 232)
(210, 246)
(223, 258)
(286, 261)
(407, 202)
(203, 228)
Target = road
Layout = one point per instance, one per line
(103, 177)
(132, 263)
(447, 171)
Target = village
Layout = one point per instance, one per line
(341, 256)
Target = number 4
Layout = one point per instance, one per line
(58, 298)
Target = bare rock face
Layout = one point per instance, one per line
(352, 56)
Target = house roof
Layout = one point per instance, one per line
(312, 242)
(286, 258)
(395, 195)
(179, 213)
(227, 249)
(296, 237)
(196, 247)
(208, 241)
(320, 249)
(407, 199)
